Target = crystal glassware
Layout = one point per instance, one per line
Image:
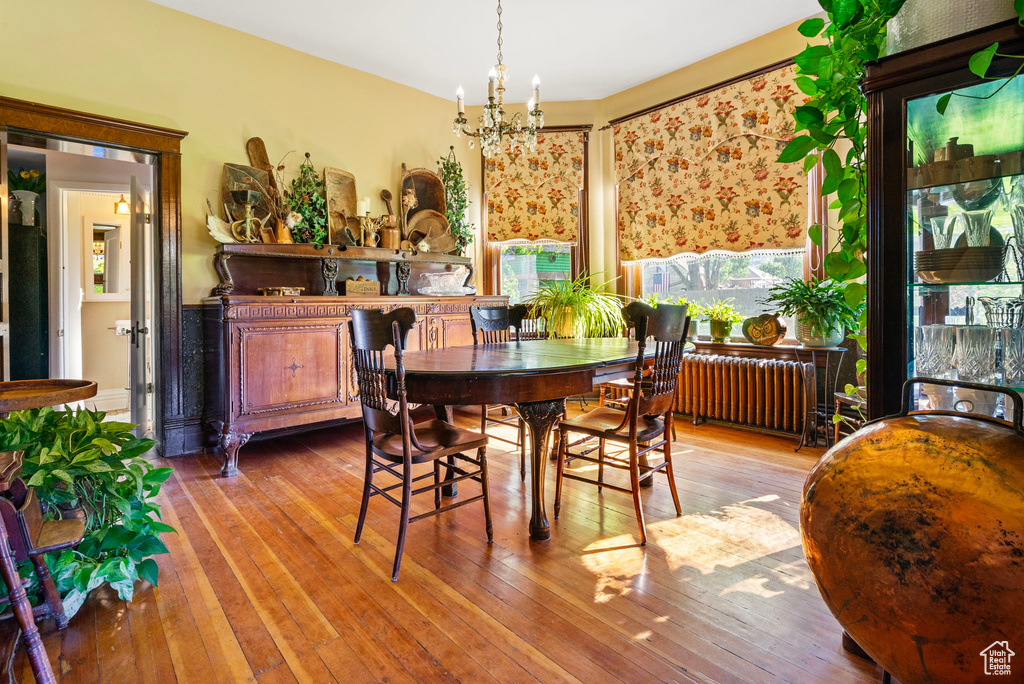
(976, 352)
(942, 231)
(934, 349)
(1013, 355)
(977, 227)
(1017, 217)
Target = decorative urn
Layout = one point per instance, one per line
(914, 530)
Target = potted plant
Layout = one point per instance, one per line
(26, 186)
(721, 316)
(456, 193)
(83, 466)
(820, 307)
(572, 308)
(693, 309)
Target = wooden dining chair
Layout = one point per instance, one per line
(493, 324)
(394, 444)
(646, 424)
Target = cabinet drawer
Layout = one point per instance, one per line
(284, 368)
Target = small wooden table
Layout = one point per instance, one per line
(21, 395)
(534, 375)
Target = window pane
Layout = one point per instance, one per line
(526, 267)
(742, 278)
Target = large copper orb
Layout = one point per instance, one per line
(914, 530)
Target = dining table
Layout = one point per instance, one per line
(535, 376)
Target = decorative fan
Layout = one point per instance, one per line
(429, 232)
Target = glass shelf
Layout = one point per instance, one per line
(987, 283)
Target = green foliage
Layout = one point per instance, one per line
(980, 63)
(572, 306)
(834, 118)
(307, 198)
(76, 461)
(822, 304)
(26, 179)
(456, 196)
(720, 310)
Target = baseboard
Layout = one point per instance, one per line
(109, 400)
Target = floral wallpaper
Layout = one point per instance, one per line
(701, 175)
(535, 196)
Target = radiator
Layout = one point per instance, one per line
(765, 393)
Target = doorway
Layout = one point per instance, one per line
(81, 296)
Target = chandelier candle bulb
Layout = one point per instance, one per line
(536, 92)
(460, 95)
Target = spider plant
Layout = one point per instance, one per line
(573, 308)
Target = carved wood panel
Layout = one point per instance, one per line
(290, 367)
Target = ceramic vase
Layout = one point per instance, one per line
(809, 339)
(720, 331)
(28, 206)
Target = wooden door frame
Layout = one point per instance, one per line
(32, 118)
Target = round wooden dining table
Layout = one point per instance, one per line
(536, 376)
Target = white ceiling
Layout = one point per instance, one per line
(582, 49)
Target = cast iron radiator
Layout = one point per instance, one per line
(765, 393)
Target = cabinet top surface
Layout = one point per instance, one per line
(389, 301)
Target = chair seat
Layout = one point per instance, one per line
(440, 439)
(602, 422)
(59, 534)
(620, 383)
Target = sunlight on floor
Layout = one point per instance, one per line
(727, 537)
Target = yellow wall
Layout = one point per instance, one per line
(222, 86)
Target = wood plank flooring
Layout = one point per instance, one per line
(263, 582)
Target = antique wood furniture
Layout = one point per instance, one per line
(648, 414)
(391, 437)
(851, 409)
(912, 180)
(814, 411)
(534, 375)
(492, 324)
(277, 363)
(29, 394)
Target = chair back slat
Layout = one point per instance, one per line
(30, 515)
(528, 323)
(666, 327)
(372, 331)
(491, 324)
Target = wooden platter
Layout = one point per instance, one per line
(29, 394)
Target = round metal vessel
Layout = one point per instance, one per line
(914, 530)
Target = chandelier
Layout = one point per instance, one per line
(495, 131)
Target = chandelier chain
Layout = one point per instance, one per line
(499, 33)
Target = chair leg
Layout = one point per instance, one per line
(367, 481)
(671, 476)
(483, 419)
(600, 466)
(403, 524)
(50, 591)
(634, 485)
(522, 450)
(559, 468)
(437, 484)
(481, 454)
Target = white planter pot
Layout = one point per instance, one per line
(806, 338)
(28, 206)
(921, 22)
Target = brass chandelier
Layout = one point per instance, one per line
(494, 131)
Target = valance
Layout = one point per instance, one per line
(535, 196)
(700, 175)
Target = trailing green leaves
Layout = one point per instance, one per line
(81, 465)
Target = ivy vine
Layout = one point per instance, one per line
(834, 118)
(307, 198)
(456, 192)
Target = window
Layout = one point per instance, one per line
(743, 278)
(524, 268)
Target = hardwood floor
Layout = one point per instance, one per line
(263, 582)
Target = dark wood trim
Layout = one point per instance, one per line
(708, 89)
(165, 143)
(580, 256)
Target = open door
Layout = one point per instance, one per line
(139, 340)
(5, 309)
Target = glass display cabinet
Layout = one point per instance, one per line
(945, 228)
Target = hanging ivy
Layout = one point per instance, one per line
(456, 193)
(307, 198)
(834, 118)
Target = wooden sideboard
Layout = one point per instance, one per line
(283, 362)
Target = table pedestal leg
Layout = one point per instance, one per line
(446, 414)
(540, 416)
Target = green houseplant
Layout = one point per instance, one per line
(572, 308)
(721, 316)
(820, 307)
(456, 198)
(307, 198)
(82, 466)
